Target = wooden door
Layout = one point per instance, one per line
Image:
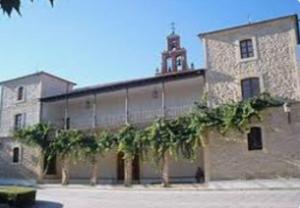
(120, 167)
(135, 168)
(51, 166)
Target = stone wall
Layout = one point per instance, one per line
(280, 156)
(274, 62)
(30, 107)
(28, 166)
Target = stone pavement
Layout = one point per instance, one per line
(278, 193)
(259, 184)
(93, 198)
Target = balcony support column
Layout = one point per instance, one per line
(94, 111)
(163, 106)
(126, 108)
(66, 110)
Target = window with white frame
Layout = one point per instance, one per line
(246, 48)
(255, 139)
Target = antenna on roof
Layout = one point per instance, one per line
(249, 19)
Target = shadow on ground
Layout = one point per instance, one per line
(47, 204)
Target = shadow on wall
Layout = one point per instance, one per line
(219, 77)
(10, 170)
(47, 204)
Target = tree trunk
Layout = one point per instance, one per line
(94, 177)
(165, 171)
(65, 175)
(128, 172)
(41, 164)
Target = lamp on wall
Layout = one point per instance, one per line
(155, 93)
(88, 104)
(287, 109)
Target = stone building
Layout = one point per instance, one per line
(241, 62)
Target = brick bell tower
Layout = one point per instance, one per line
(174, 58)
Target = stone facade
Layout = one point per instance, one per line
(274, 62)
(35, 86)
(229, 158)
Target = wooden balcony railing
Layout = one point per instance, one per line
(115, 120)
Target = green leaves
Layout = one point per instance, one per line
(176, 137)
(66, 143)
(37, 135)
(128, 143)
(232, 116)
(179, 137)
(8, 6)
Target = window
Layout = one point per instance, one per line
(250, 87)
(169, 64)
(18, 121)
(246, 48)
(255, 139)
(16, 155)
(179, 63)
(67, 123)
(20, 95)
(173, 45)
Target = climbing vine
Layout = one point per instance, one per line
(178, 137)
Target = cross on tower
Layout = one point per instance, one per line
(173, 27)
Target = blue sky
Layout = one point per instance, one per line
(109, 40)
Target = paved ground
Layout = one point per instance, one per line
(58, 197)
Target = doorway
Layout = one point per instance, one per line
(51, 166)
(121, 167)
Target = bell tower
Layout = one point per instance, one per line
(174, 58)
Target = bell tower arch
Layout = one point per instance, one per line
(174, 59)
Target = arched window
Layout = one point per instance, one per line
(255, 139)
(20, 95)
(16, 155)
(250, 87)
(179, 63)
(169, 64)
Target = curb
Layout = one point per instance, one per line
(97, 188)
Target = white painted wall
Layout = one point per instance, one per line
(111, 105)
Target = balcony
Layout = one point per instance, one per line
(115, 120)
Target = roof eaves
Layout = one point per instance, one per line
(202, 35)
(36, 74)
(123, 85)
(56, 77)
